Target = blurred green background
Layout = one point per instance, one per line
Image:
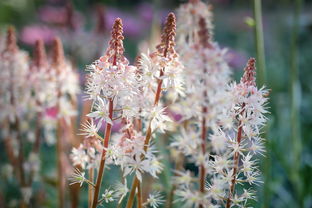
(287, 30)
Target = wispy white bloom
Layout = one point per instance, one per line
(189, 197)
(188, 142)
(101, 112)
(108, 196)
(77, 177)
(155, 166)
(183, 178)
(154, 200)
(136, 165)
(159, 119)
(89, 129)
(26, 193)
(121, 190)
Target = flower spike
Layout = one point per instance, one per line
(204, 34)
(115, 50)
(58, 52)
(11, 40)
(40, 57)
(249, 77)
(167, 43)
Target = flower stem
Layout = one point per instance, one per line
(296, 135)
(140, 202)
(132, 192)
(90, 187)
(102, 164)
(146, 142)
(236, 161)
(202, 174)
(261, 74)
(59, 152)
(167, 40)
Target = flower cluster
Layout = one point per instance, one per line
(247, 112)
(131, 94)
(14, 89)
(189, 14)
(66, 80)
(216, 115)
(29, 90)
(219, 129)
(44, 86)
(112, 78)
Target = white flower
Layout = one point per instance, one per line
(26, 193)
(189, 197)
(66, 109)
(137, 165)
(188, 142)
(216, 188)
(220, 164)
(159, 119)
(108, 196)
(89, 129)
(33, 163)
(218, 141)
(79, 156)
(257, 146)
(114, 154)
(154, 200)
(121, 190)
(155, 166)
(77, 177)
(183, 178)
(101, 112)
(188, 15)
(248, 164)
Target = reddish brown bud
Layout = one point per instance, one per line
(115, 50)
(40, 57)
(58, 52)
(137, 61)
(203, 33)
(11, 45)
(249, 77)
(168, 35)
(138, 64)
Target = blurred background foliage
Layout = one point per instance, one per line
(287, 166)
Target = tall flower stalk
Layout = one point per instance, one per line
(207, 76)
(166, 51)
(114, 54)
(295, 90)
(248, 109)
(15, 93)
(111, 86)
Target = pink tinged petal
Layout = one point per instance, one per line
(51, 112)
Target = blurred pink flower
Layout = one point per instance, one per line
(65, 16)
(236, 59)
(31, 33)
(54, 15)
(145, 11)
(173, 115)
(51, 112)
